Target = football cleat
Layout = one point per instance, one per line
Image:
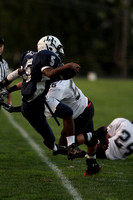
(75, 152)
(7, 107)
(93, 167)
(60, 150)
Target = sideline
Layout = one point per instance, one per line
(41, 153)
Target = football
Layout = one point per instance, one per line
(70, 72)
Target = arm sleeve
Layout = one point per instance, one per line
(13, 75)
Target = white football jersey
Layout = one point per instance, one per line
(67, 92)
(121, 141)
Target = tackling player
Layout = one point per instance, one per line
(120, 138)
(38, 70)
(68, 93)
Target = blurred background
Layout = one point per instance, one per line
(96, 34)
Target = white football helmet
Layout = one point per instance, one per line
(51, 43)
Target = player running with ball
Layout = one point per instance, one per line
(38, 70)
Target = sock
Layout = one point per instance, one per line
(89, 136)
(70, 140)
(55, 148)
(89, 156)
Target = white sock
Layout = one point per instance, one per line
(89, 136)
(55, 148)
(90, 157)
(70, 140)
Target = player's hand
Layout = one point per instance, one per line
(3, 94)
(4, 83)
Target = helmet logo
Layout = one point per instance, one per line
(51, 39)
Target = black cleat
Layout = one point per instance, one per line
(75, 152)
(93, 167)
(60, 150)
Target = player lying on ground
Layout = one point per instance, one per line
(83, 112)
(120, 139)
(38, 70)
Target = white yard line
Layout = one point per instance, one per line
(41, 153)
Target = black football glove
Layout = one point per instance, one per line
(4, 83)
(3, 94)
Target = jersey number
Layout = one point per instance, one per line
(75, 90)
(124, 137)
(27, 75)
(52, 62)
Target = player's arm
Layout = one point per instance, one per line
(101, 148)
(9, 99)
(64, 72)
(5, 93)
(11, 77)
(15, 87)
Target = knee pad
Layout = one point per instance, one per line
(63, 111)
(90, 143)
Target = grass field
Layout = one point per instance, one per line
(25, 175)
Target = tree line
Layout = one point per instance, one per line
(96, 34)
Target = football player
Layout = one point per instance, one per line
(38, 70)
(66, 92)
(120, 139)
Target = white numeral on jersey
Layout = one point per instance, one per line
(52, 62)
(123, 138)
(27, 75)
(75, 90)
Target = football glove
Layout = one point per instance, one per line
(4, 83)
(3, 94)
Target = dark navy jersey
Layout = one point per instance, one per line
(34, 81)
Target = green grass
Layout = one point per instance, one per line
(23, 175)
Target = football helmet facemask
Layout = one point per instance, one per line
(51, 43)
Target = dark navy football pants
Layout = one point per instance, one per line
(34, 113)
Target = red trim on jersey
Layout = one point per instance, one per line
(89, 103)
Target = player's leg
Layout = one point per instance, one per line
(84, 124)
(65, 112)
(63, 140)
(34, 113)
